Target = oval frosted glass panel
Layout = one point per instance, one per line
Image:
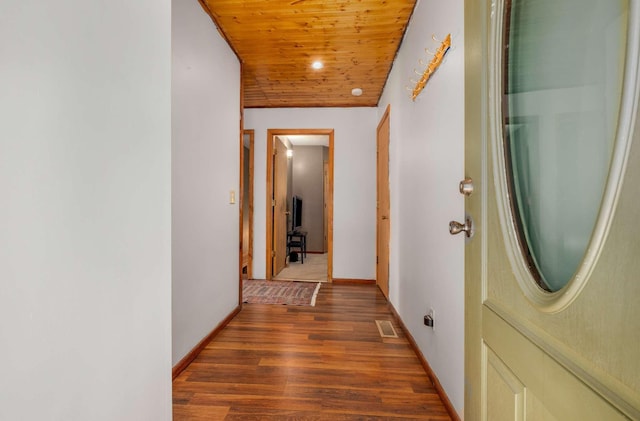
(563, 67)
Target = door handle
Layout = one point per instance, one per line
(456, 227)
(384, 217)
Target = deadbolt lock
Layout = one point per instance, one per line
(466, 186)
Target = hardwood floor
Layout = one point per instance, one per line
(326, 362)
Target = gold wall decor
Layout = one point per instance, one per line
(438, 56)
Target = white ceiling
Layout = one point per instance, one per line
(309, 140)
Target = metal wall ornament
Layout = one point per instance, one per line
(430, 68)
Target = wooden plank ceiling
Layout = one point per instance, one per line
(278, 40)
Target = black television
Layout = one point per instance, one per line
(296, 213)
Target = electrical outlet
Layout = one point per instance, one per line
(429, 319)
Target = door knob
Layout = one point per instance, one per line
(385, 217)
(456, 227)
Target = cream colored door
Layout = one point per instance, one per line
(279, 206)
(552, 324)
(384, 223)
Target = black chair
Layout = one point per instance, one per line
(297, 240)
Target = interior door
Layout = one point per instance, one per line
(383, 205)
(552, 325)
(279, 205)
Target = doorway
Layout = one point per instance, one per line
(246, 204)
(299, 173)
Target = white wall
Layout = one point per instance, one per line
(426, 165)
(354, 207)
(85, 210)
(205, 168)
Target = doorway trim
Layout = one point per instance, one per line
(269, 208)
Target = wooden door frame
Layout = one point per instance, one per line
(269, 208)
(251, 134)
(385, 117)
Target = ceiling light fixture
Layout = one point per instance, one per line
(317, 65)
(356, 92)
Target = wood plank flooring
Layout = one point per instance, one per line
(326, 362)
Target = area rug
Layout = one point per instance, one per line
(280, 292)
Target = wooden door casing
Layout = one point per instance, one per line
(269, 194)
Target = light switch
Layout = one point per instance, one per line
(232, 196)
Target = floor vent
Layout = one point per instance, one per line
(386, 329)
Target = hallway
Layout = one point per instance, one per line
(326, 362)
(314, 268)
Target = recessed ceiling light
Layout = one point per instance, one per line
(317, 65)
(356, 92)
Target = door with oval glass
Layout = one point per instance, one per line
(551, 269)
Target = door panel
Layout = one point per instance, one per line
(383, 217)
(573, 354)
(557, 390)
(280, 206)
(505, 400)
